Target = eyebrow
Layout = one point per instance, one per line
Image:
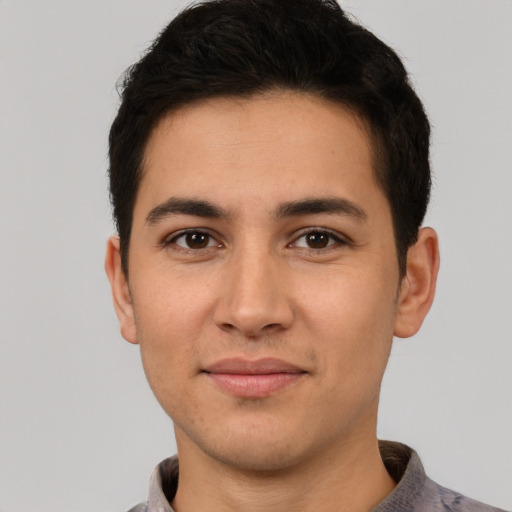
(309, 206)
(329, 205)
(183, 206)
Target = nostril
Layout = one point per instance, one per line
(251, 332)
(253, 317)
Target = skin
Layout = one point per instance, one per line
(319, 290)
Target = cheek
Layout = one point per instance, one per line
(169, 319)
(352, 316)
(170, 305)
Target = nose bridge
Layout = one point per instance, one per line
(254, 298)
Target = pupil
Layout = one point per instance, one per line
(317, 240)
(197, 240)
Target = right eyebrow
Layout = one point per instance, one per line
(184, 206)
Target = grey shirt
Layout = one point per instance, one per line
(415, 492)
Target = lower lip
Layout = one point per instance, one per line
(254, 386)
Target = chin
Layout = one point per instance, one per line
(255, 447)
(256, 458)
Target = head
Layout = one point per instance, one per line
(269, 174)
(242, 48)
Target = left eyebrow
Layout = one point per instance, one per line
(314, 206)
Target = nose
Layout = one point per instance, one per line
(254, 297)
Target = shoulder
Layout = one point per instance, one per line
(435, 497)
(415, 492)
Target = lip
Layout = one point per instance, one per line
(244, 378)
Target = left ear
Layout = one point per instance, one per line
(419, 284)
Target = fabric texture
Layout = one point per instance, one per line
(415, 492)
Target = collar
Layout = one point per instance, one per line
(402, 463)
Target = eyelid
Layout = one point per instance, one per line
(171, 238)
(338, 238)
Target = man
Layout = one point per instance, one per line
(269, 172)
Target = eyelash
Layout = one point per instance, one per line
(175, 237)
(333, 240)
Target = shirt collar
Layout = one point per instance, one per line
(402, 463)
(157, 502)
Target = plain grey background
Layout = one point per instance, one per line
(79, 427)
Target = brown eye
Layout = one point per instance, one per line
(317, 240)
(197, 240)
(194, 240)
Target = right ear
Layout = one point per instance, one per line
(120, 290)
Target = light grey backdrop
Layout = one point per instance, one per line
(79, 428)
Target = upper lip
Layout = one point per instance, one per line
(241, 366)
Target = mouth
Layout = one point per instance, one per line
(253, 379)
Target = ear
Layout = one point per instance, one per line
(418, 285)
(120, 290)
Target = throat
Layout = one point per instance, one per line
(355, 483)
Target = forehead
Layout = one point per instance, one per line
(274, 146)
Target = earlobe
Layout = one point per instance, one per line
(120, 290)
(418, 285)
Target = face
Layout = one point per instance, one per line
(263, 279)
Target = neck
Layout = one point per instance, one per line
(351, 477)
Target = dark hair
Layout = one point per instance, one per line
(237, 48)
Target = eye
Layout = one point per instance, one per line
(317, 240)
(194, 240)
